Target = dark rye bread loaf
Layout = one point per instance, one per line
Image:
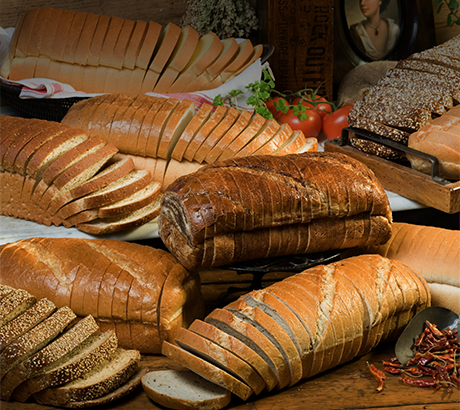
(292, 204)
(411, 95)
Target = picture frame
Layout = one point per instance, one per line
(403, 13)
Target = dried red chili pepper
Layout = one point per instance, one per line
(378, 375)
(436, 356)
(418, 382)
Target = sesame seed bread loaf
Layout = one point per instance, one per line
(101, 379)
(108, 54)
(55, 350)
(140, 292)
(26, 321)
(221, 213)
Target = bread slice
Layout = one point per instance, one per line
(111, 173)
(206, 52)
(158, 125)
(85, 38)
(52, 150)
(245, 51)
(213, 121)
(257, 52)
(14, 137)
(130, 221)
(100, 380)
(278, 139)
(126, 388)
(143, 136)
(26, 321)
(183, 50)
(60, 37)
(64, 162)
(274, 332)
(216, 134)
(238, 348)
(174, 127)
(144, 57)
(265, 134)
(198, 120)
(21, 138)
(220, 357)
(229, 51)
(227, 322)
(78, 174)
(121, 46)
(131, 203)
(163, 50)
(35, 339)
(184, 389)
(74, 33)
(14, 304)
(237, 128)
(207, 370)
(253, 128)
(287, 319)
(135, 44)
(5, 290)
(54, 351)
(93, 351)
(119, 189)
(26, 35)
(137, 123)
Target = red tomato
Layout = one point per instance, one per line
(311, 126)
(334, 123)
(271, 106)
(323, 107)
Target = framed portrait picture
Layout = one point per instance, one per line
(371, 30)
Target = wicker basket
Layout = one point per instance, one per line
(51, 109)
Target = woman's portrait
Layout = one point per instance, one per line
(373, 25)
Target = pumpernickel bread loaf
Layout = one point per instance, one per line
(140, 292)
(263, 206)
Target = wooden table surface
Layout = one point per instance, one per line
(349, 386)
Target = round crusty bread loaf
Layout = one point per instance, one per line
(183, 389)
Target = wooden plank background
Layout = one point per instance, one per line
(161, 11)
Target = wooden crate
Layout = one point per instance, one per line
(405, 181)
(303, 35)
